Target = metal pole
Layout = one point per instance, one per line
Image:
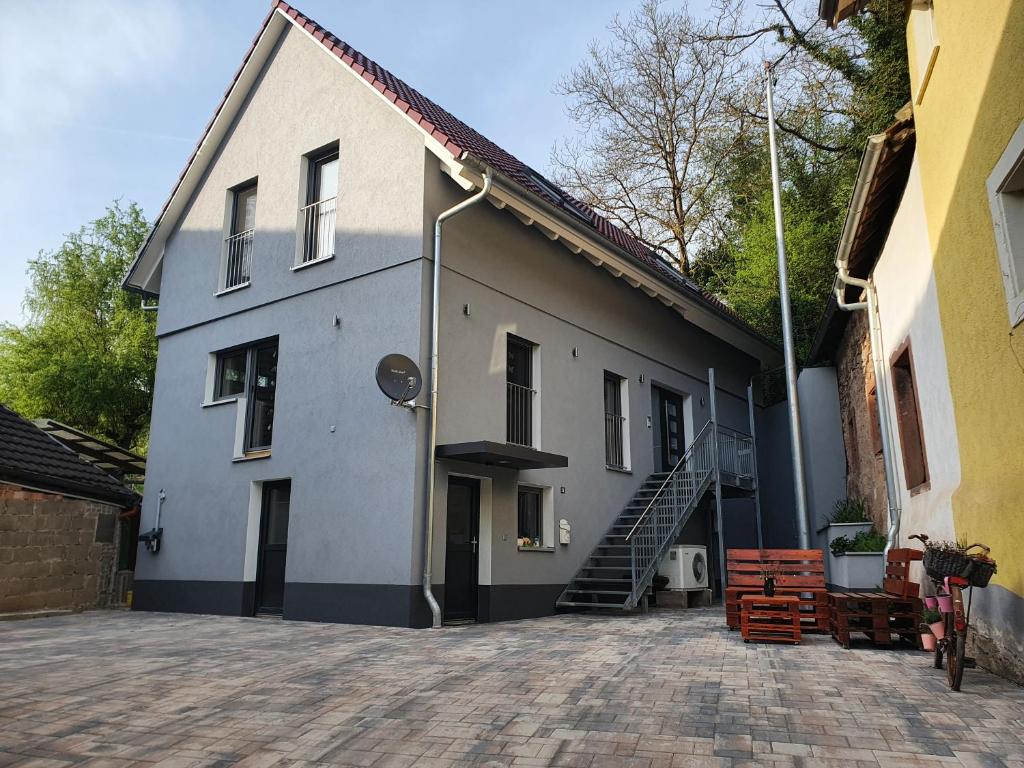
(716, 457)
(753, 457)
(799, 485)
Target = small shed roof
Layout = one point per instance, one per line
(30, 457)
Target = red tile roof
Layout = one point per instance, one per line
(459, 139)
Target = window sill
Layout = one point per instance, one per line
(535, 549)
(252, 456)
(232, 289)
(620, 470)
(305, 264)
(212, 403)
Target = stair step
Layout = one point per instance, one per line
(573, 604)
(596, 592)
(600, 580)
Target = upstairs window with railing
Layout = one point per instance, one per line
(614, 422)
(236, 265)
(319, 216)
(520, 392)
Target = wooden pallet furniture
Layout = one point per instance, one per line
(801, 575)
(770, 619)
(881, 615)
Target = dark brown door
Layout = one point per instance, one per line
(462, 549)
(273, 547)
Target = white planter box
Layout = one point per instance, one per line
(833, 532)
(858, 570)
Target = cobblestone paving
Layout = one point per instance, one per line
(107, 690)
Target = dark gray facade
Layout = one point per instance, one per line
(355, 462)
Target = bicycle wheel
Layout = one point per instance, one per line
(955, 660)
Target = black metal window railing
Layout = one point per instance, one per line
(614, 428)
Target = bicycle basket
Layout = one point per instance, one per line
(939, 564)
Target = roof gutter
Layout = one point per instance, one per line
(865, 178)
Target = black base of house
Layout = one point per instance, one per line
(391, 605)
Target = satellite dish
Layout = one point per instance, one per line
(399, 378)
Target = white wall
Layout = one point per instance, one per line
(908, 307)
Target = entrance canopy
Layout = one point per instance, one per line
(501, 455)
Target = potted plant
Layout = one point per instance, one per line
(931, 602)
(769, 572)
(927, 639)
(935, 623)
(849, 517)
(858, 563)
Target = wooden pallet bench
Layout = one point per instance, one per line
(801, 575)
(881, 615)
(878, 615)
(772, 619)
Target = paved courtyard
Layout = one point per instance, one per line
(667, 689)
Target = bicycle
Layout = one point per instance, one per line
(952, 571)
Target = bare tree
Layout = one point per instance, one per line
(649, 104)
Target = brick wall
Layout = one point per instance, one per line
(49, 553)
(865, 467)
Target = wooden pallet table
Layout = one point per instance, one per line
(801, 575)
(879, 615)
(772, 619)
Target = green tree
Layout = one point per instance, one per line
(87, 354)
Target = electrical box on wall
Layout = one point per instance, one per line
(564, 531)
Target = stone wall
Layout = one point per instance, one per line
(55, 552)
(865, 467)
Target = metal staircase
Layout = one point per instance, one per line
(619, 571)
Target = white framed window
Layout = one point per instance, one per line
(1006, 198)
(616, 421)
(236, 256)
(318, 214)
(926, 46)
(535, 517)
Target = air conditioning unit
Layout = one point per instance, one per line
(686, 568)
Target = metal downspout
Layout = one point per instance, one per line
(428, 533)
(881, 392)
(792, 394)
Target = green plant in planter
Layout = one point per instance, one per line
(865, 541)
(931, 616)
(840, 545)
(849, 511)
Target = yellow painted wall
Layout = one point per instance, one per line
(970, 109)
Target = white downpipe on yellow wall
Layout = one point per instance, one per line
(870, 304)
(428, 533)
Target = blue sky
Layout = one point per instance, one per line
(104, 99)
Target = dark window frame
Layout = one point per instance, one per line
(538, 494)
(315, 162)
(519, 405)
(252, 185)
(907, 403)
(251, 351)
(616, 416)
(218, 381)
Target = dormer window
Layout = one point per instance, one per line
(236, 264)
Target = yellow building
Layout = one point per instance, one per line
(967, 87)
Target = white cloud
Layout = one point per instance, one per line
(57, 59)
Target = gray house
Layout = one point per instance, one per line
(297, 249)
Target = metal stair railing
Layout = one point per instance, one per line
(659, 524)
(735, 453)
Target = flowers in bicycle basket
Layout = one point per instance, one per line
(955, 558)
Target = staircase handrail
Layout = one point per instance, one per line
(681, 463)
